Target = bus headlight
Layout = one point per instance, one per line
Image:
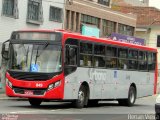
(158, 99)
(57, 83)
(8, 83)
(53, 85)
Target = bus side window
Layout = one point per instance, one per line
(151, 61)
(71, 55)
(122, 58)
(70, 59)
(86, 50)
(143, 60)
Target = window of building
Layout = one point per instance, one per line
(72, 20)
(108, 27)
(55, 14)
(77, 22)
(158, 41)
(90, 20)
(10, 8)
(125, 29)
(104, 2)
(35, 11)
(67, 19)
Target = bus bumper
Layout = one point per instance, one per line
(53, 94)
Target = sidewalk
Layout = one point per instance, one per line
(3, 96)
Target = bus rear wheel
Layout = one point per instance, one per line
(131, 98)
(82, 96)
(35, 102)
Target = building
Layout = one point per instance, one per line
(141, 3)
(148, 23)
(98, 13)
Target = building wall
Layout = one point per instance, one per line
(155, 31)
(140, 34)
(143, 3)
(138, 2)
(8, 24)
(96, 10)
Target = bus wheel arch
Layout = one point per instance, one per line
(83, 95)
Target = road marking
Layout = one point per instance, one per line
(16, 112)
(27, 111)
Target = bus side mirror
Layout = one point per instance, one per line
(5, 50)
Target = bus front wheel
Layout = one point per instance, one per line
(82, 96)
(35, 102)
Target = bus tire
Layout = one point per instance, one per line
(82, 96)
(131, 98)
(35, 102)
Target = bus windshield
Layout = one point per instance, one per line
(44, 57)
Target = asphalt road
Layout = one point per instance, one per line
(21, 110)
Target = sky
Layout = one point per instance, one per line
(154, 3)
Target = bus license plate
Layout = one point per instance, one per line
(28, 92)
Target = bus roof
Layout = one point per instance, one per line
(109, 41)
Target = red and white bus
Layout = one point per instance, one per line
(51, 65)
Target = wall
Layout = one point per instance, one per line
(138, 2)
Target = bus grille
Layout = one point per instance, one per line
(31, 76)
(35, 91)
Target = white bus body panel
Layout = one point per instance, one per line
(108, 83)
